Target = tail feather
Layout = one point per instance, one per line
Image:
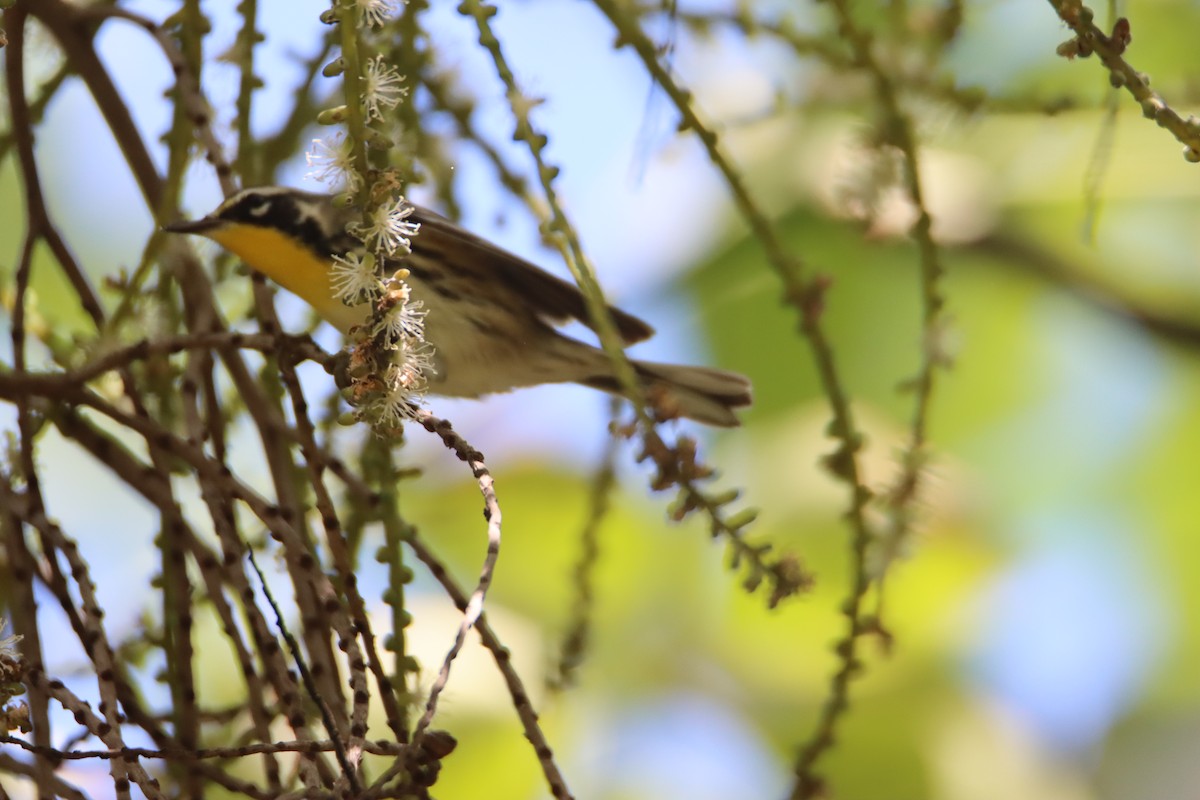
(701, 393)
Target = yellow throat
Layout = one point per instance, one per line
(290, 264)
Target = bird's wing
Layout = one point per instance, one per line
(546, 295)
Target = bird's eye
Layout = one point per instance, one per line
(260, 210)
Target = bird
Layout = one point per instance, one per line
(491, 316)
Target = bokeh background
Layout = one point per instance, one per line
(1045, 614)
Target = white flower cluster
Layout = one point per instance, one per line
(383, 88)
(373, 276)
(375, 13)
(8, 644)
(331, 162)
(388, 231)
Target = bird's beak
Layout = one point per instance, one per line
(200, 226)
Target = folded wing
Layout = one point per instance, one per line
(545, 295)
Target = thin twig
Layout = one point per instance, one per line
(516, 687)
(474, 607)
(314, 693)
(575, 640)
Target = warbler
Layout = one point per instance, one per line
(491, 315)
